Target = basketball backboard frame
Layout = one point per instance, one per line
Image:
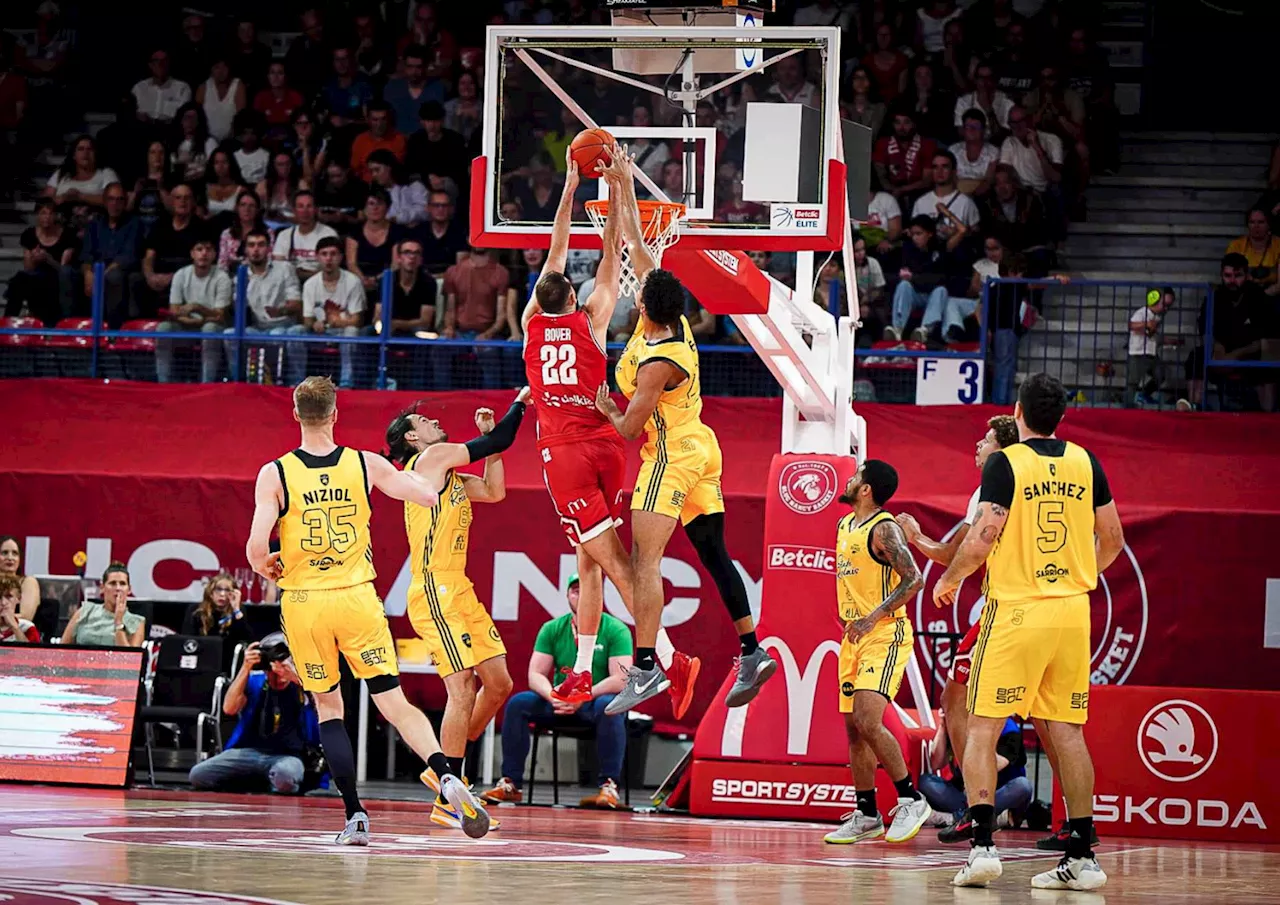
(528, 43)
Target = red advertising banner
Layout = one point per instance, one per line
(161, 477)
(66, 713)
(1183, 763)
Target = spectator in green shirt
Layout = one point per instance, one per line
(554, 652)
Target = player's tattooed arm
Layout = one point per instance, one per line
(987, 526)
(890, 544)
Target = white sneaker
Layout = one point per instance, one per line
(1072, 873)
(857, 827)
(940, 820)
(908, 815)
(982, 867)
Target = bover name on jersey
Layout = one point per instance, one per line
(557, 335)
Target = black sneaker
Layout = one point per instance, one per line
(1057, 842)
(960, 831)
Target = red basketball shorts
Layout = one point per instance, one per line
(964, 651)
(586, 481)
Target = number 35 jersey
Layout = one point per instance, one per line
(565, 365)
(1051, 489)
(324, 523)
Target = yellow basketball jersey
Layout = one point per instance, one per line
(438, 536)
(863, 580)
(324, 523)
(678, 410)
(1047, 547)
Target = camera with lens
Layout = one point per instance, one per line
(272, 649)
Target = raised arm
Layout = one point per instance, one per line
(491, 487)
(629, 223)
(558, 255)
(436, 462)
(267, 496)
(890, 545)
(397, 484)
(604, 298)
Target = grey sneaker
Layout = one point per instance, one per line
(471, 814)
(1072, 873)
(641, 685)
(907, 816)
(754, 669)
(857, 827)
(356, 832)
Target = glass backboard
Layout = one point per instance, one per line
(740, 123)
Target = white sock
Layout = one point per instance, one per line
(586, 653)
(664, 649)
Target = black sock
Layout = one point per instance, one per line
(905, 788)
(457, 765)
(439, 763)
(644, 657)
(749, 643)
(342, 762)
(1078, 843)
(984, 823)
(867, 803)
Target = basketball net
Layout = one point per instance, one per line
(659, 228)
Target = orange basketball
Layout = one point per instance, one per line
(589, 149)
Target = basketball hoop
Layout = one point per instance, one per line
(659, 226)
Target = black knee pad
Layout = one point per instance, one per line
(706, 533)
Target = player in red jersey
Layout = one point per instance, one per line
(583, 458)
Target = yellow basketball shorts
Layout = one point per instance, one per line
(1032, 658)
(876, 661)
(320, 625)
(449, 618)
(680, 476)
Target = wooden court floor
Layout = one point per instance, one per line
(76, 847)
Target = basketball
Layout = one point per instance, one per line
(589, 149)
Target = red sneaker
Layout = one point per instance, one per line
(575, 689)
(683, 674)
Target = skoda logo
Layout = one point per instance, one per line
(1177, 740)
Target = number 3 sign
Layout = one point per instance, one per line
(948, 381)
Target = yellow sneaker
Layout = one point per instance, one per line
(443, 814)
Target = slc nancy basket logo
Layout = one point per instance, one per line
(807, 487)
(1177, 740)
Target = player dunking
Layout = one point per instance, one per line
(320, 496)
(875, 576)
(680, 465)
(583, 459)
(1046, 526)
(443, 607)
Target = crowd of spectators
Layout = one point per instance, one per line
(988, 119)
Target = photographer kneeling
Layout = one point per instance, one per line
(278, 734)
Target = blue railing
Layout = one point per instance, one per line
(1078, 330)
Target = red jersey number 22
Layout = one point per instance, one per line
(559, 365)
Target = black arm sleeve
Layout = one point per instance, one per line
(500, 438)
(997, 481)
(1101, 489)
